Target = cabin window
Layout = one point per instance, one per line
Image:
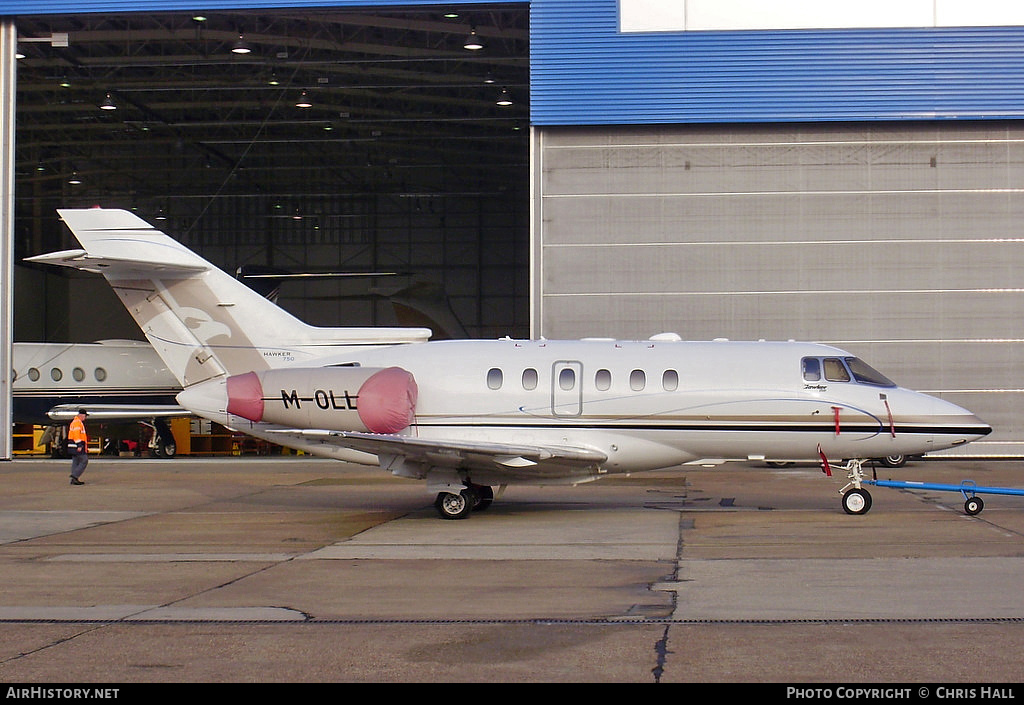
(56, 375)
(637, 380)
(835, 370)
(670, 381)
(567, 379)
(812, 369)
(100, 374)
(603, 380)
(529, 379)
(78, 373)
(494, 378)
(33, 374)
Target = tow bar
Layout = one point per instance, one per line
(972, 504)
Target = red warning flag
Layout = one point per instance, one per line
(892, 426)
(825, 467)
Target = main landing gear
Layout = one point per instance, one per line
(162, 443)
(474, 498)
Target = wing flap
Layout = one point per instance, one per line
(516, 459)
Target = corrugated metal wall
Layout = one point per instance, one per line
(901, 243)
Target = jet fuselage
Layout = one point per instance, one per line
(644, 404)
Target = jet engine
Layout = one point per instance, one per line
(374, 399)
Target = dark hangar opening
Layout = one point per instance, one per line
(350, 141)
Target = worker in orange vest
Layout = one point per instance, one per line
(78, 446)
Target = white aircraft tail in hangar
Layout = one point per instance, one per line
(470, 415)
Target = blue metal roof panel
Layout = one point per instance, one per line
(584, 71)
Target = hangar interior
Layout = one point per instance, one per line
(344, 141)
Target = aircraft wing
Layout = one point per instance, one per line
(118, 412)
(514, 460)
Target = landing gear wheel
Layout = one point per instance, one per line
(162, 444)
(974, 505)
(167, 449)
(894, 461)
(857, 501)
(485, 495)
(455, 506)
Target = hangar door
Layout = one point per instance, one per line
(901, 243)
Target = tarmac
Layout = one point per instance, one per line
(297, 570)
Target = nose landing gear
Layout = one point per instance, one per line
(856, 501)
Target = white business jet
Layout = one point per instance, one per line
(471, 415)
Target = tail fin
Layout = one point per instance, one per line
(202, 321)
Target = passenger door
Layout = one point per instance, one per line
(567, 388)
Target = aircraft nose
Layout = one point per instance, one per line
(983, 429)
(959, 425)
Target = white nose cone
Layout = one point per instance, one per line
(206, 399)
(951, 425)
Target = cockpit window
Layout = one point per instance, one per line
(866, 374)
(835, 370)
(847, 369)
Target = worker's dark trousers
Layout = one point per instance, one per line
(79, 459)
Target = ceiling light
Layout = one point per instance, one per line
(108, 103)
(74, 180)
(303, 101)
(505, 99)
(18, 55)
(473, 42)
(240, 47)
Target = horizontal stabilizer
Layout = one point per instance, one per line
(116, 267)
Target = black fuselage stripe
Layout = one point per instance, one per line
(768, 428)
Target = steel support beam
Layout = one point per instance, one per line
(8, 78)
